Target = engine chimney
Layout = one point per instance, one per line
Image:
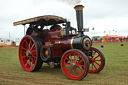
(79, 16)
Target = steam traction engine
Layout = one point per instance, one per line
(66, 46)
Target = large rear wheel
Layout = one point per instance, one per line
(29, 53)
(74, 64)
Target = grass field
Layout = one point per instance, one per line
(115, 71)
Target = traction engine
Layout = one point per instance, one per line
(50, 39)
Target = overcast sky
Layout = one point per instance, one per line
(103, 15)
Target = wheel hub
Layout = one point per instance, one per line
(72, 65)
(93, 60)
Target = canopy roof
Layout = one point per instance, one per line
(42, 20)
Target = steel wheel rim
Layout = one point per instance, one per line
(28, 53)
(71, 65)
(95, 61)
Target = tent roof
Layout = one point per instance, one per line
(114, 36)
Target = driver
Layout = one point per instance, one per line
(55, 28)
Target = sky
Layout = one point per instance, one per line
(110, 16)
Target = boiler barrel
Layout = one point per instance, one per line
(83, 42)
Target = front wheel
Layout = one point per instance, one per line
(74, 64)
(96, 61)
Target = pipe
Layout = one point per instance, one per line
(79, 16)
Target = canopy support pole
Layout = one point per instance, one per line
(24, 30)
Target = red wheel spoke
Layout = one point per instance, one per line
(82, 65)
(30, 62)
(80, 61)
(26, 43)
(77, 57)
(30, 42)
(26, 63)
(24, 48)
(74, 57)
(94, 65)
(74, 72)
(96, 56)
(77, 71)
(32, 46)
(31, 65)
(33, 61)
(80, 68)
(24, 56)
(97, 60)
(33, 51)
(29, 45)
(70, 70)
(67, 64)
(68, 59)
(97, 63)
(34, 56)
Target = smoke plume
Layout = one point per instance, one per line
(71, 2)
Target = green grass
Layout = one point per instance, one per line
(115, 71)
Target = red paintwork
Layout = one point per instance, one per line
(65, 44)
(56, 51)
(59, 47)
(53, 36)
(51, 39)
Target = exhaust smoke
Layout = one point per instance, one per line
(71, 2)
